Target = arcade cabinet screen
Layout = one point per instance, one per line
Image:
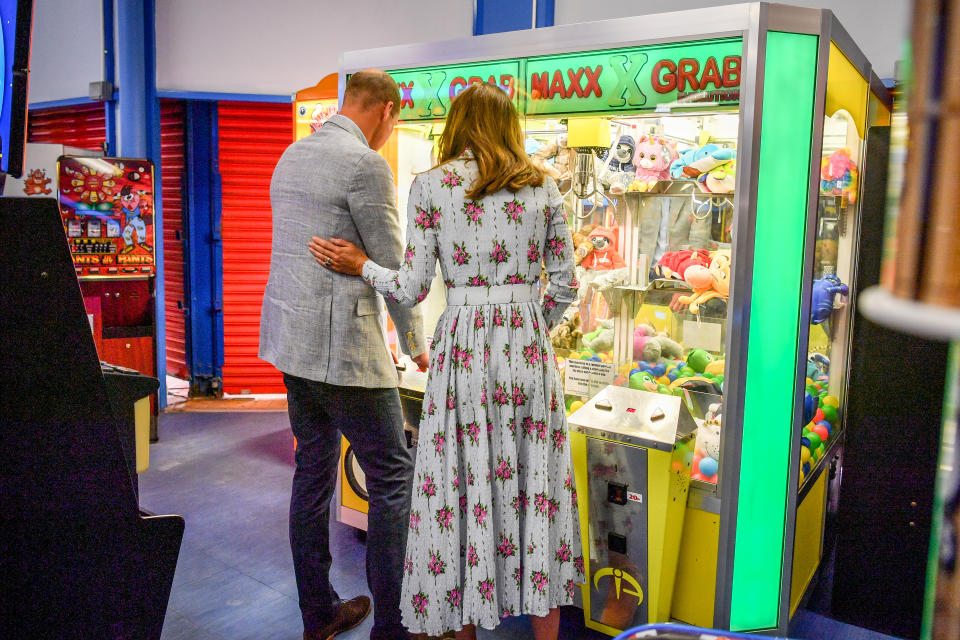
(16, 19)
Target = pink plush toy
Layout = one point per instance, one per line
(652, 158)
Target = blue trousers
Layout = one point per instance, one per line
(372, 420)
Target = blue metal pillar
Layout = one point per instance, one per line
(110, 76)
(202, 249)
(495, 16)
(138, 116)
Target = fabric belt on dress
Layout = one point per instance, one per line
(498, 294)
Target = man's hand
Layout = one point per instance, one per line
(422, 361)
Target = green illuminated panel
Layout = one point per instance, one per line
(634, 79)
(782, 198)
(425, 93)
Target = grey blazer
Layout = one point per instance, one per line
(315, 323)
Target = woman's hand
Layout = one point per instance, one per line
(338, 255)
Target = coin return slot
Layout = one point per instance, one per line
(657, 414)
(603, 405)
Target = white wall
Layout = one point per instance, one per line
(280, 46)
(879, 27)
(67, 51)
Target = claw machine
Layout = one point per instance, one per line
(709, 164)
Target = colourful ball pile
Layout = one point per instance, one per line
(821, 412)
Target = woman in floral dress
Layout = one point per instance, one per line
(494, 530)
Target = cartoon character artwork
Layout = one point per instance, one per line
(36, 183)
(838, 175)
(652, 158)
(130, 204)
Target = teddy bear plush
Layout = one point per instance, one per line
(652, 347)
(567, 334)
(582, 246)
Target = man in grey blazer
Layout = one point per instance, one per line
(323, 331)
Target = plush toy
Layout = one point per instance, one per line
(652, 157)
(601, 338)
(604, 256)
(582, 247)
(838, 175)
(720, 179)
(567, 334)
(692, 163)
(708, 283)
(674, 264)
(651, 347)
(619, 169)
(824, 290)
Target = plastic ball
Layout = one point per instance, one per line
(678, 391)
(806, 468)
(831, 401)
(709, 466)
(814, 440)
(809, 406)
(804, 455)
(659, 369)
(596, 359)
(821, 450)
(719, 378)
(809, 381)
(821, 431)
(687, 372)
(805, 442)
(576, 404)
(802, 476)
(635, 370)
(663, 380)
(568, 402)
(662, 388)
(817, 415)
(827, 426)
(671, 376)
(830, 414)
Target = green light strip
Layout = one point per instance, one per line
(782, 197)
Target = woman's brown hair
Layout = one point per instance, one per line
(483, 119)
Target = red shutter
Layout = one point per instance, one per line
(252, 137)
(172, 166)
(81, 126)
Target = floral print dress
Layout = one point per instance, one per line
(494, 529)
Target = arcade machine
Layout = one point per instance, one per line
(107, 207)
(709, 160)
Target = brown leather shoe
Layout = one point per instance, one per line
(347, 614)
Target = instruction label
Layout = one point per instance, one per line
(587, 377)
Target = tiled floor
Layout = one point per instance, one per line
(229, 475)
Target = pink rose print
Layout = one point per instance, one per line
(462, 358)
(556, 246)
(512, 425)
(541, 428)
(549, 303)
(453, 326)
(516, 319)
(451, 179)
(415, 521)
(506, 350)
(459, 433)
(568, 482)
(516, 278)
(408, 254)
(451, 399)
(539, 579)
(423, 219)
(435, 214)
(436, 566)
(531, 353)
(533, 252)
(497, 317)
(456, 479)
(463, 504)
(489, 426)
(500, 395)
(559, 439)
(472, 558)
(504, 470)
(507, 612)
(553, 507)
(499, 254)
(517, 576)
(455, 598)
(420, 601)
(570, 589)
(578, 564)
(478, 320)
(546, 214)
(474, 213)
(519, 397)
(573, 498)
(520, 502)
(528, 428)
(574, 283)
(432, 407)
(486, 589)
(445, 518)
(514, 210)
(542, 503)
(531, 548)
(480, 514)
(473, 430)
(428, 488)
(439, 360)
(506, 548)
(478, 281)
(438, 442)
(449, 283)
(460, 254)
(553, 401)
(424, 290)
(408, 566)
(486, 359)
(483, 388)
(469, 477)
(563, 552)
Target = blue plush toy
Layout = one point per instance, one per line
(693, 162)
(824, 291)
